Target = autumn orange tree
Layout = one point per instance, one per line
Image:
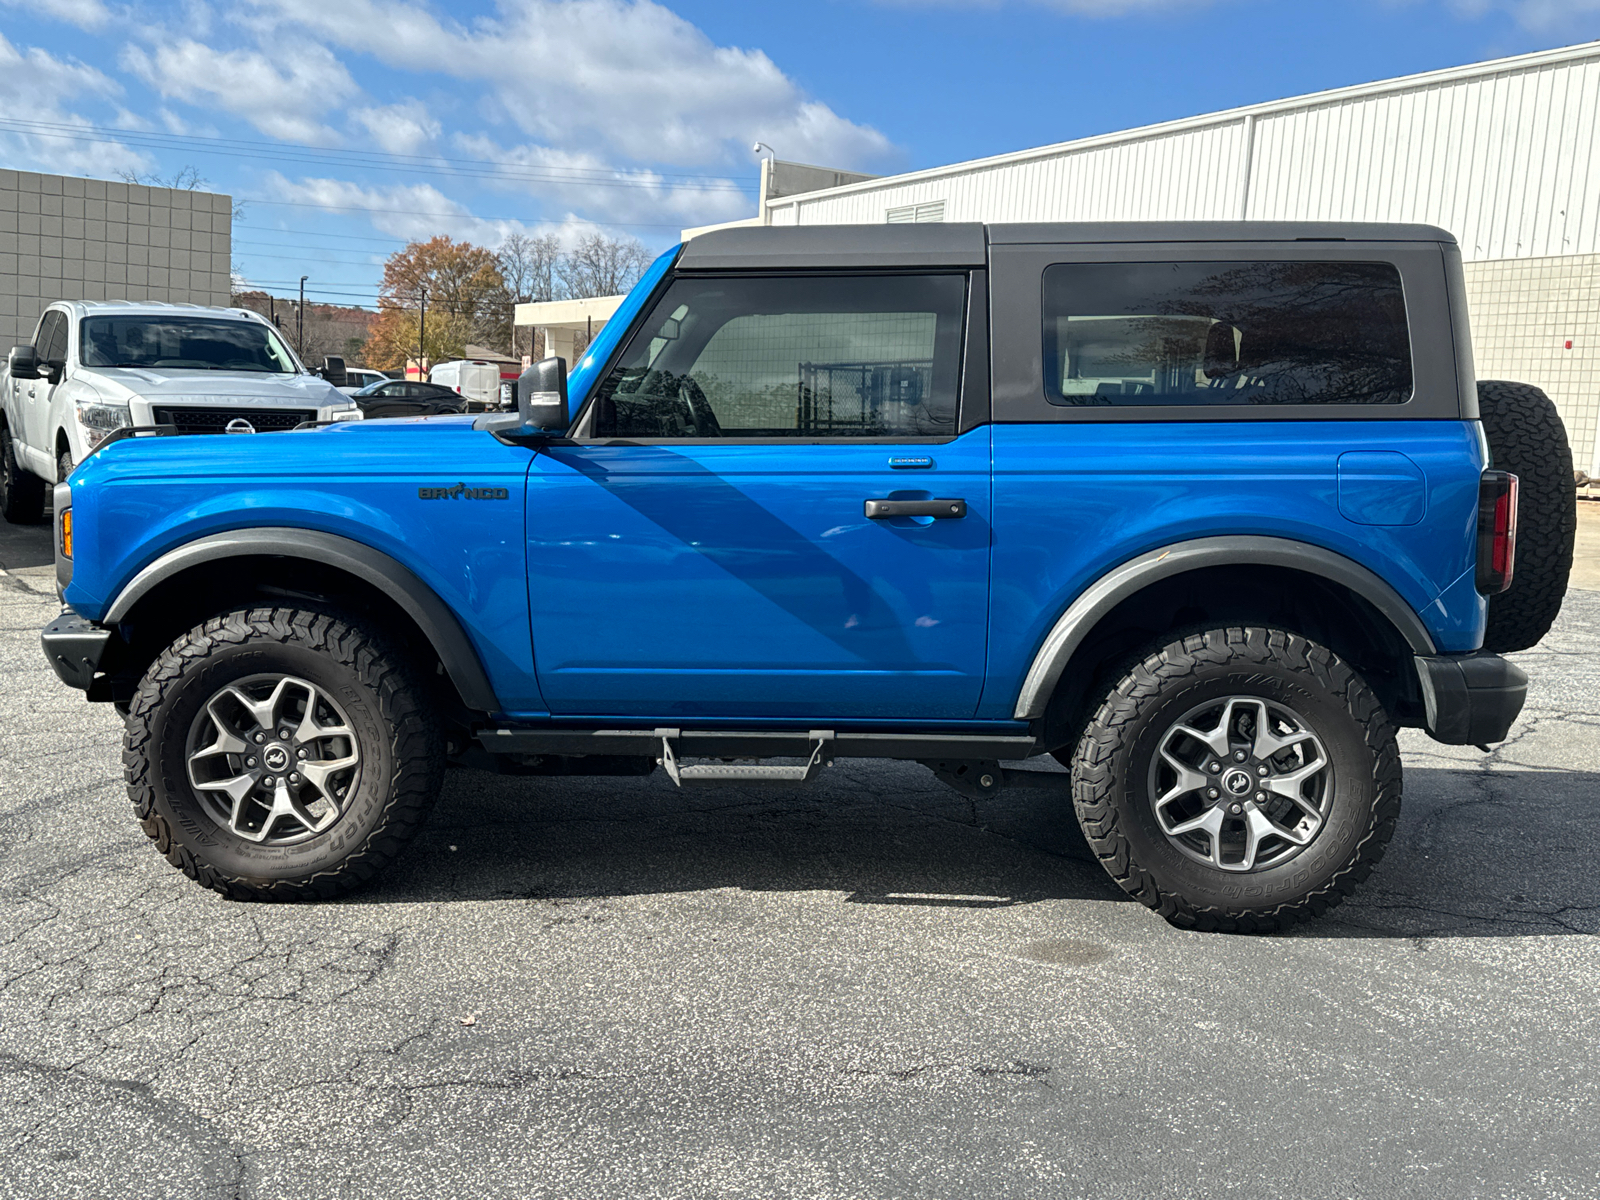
(466, 302)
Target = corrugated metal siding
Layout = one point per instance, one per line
(1507, 159)
(1191, 175)
(1506, 163)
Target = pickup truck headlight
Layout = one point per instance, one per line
(99, 421)
(346, 414)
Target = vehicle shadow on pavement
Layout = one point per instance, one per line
(1483, 851)
(1478, 852)
(879, 832)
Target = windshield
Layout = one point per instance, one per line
(184, 343)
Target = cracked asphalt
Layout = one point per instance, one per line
(577, 988)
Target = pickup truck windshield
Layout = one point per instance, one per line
(183, 343)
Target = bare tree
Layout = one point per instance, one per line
(186, 178)
(601, 266)
(529, 267)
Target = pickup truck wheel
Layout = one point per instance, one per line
(281, 754)
(63, 466)
(21, 491)
(1238, 780)
(1527, 437)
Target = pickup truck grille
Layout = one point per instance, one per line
(215, 420)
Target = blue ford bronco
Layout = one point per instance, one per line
(1206, 511)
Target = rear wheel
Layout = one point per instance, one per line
(21, 491)
(1239, 780)
(281, 754)
(1527, 437)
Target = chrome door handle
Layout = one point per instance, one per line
(944, 510)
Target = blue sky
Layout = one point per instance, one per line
(349, 126)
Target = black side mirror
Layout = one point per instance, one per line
(24, 363)
(333, 371)
(542, 396)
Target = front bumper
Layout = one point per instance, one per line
(75, 648)
(1470, 699)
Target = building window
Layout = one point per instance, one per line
(915, 214)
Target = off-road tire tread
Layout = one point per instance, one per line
(1527, 438)
(416, 748)
(1095, 789)
(24, 500)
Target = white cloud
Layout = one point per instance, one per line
(34, 85)
(402, 210)
(404, 128)
(415, 212)
(579, 179)
(626, 74)
(283, 96)
(1541, 16)
(1082, 8)
(85, 14)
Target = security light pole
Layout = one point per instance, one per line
(300, 319)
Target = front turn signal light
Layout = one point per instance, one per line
(66, 533)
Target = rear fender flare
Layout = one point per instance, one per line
(1121, 582)
(420, 602)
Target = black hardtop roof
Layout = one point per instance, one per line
(962, 244)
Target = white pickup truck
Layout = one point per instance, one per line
(98, 366)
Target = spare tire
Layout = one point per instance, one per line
(1527, 438)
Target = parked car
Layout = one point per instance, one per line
(96, 367)
(406, 398)
(1206, 511)
(357, 378)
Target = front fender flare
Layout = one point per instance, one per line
(1117, 584)
(420, 602)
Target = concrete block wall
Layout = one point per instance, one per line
(1524, 311)
(64, 238)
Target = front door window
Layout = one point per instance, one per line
(864, 356)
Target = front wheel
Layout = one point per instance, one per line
(1240, 780)
(281, 754)
(21, 491)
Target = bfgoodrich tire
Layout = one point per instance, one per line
(1527, 438)
(1232, 737)
(281, 754)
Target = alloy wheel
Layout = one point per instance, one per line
(273, 759)
(1241, 783)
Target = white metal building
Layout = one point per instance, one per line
(1504, 154)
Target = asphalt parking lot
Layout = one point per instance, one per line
(874, 987)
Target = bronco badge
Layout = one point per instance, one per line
(462, 492)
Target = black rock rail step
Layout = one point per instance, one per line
(817, 747)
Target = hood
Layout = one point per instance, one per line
(245, 388)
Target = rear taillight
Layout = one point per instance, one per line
(1497, 531)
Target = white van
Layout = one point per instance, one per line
(474, 380)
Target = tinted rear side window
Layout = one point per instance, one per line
(1198, 333)
(791, 357)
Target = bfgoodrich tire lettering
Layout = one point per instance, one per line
(1112, 772)
(401, 752)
